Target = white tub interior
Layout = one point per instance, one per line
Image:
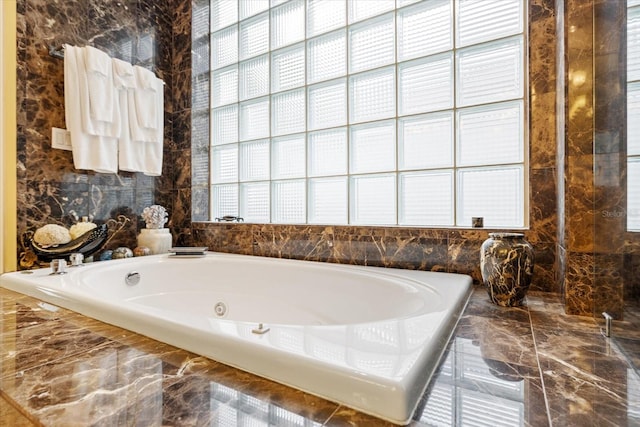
(366, 337)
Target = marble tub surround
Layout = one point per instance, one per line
(453, 251)
(62, 368)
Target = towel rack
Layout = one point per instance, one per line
(56, 52)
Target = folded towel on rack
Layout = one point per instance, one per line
(154, 149)
(145, 97)
(131, 155)
(110, 128)
(123, 75)
(90, 151)
(100, 84)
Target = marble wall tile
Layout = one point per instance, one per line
(51, 190)
(543, 206)
(579, 283)
(182, 90)
(225, 238)
(181, 35)
(579, 208)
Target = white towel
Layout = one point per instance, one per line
(100, 84)
(153, 150)
(90, 151)
(123, 75)
(131, 155)
(146, 108)
(109, 128)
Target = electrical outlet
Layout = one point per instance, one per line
(61, 139)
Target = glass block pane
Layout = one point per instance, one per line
(254, 36)
(426, 84)
(200, 20)
(327, 57)
(225, 86)
(328, 105)
(224, 47)
(496, 194)
(288, 112)
(200, 91)
(633, 44)
(633, 196)
(480, 21)
(328, 152)
(489, 73)
(223, 13)
(491, 134)
(251, 7)
(323, 16)
(254, 119)
(426, 198)
(402, 3)
(224, 200)
(373, 199)
(363, 9)
(287, 68)
(425, 29)
(288, 157)
(254, 77)
(289, 202)
(633, 119)
(254, 201)
(372, 44)
(287, 24)
(425, 142)
(372, 95)
(200, 58)
(224, 163)
(224, 125)
(254, 160)
(328, 200)
(373, 147)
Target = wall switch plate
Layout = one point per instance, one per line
(61, 139)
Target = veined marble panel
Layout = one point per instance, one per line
(60, 368)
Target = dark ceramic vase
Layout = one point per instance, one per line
(506, 262)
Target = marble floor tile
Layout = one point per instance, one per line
(10, 416)
(502, 366)
(576, 402)
(498, 339)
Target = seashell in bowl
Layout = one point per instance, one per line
(86, 244)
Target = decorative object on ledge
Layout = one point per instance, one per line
(506, 263)
(141, 251)
(155, 216)
(230, 218)
(121, 252)
(86, 244)
(116, 225)
(105, 255)
(155, 237)
(158, 240)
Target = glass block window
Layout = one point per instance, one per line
(369, 112)
(633, 115)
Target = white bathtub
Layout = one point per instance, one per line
(366, 337)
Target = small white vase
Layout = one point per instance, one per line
(158, 240)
